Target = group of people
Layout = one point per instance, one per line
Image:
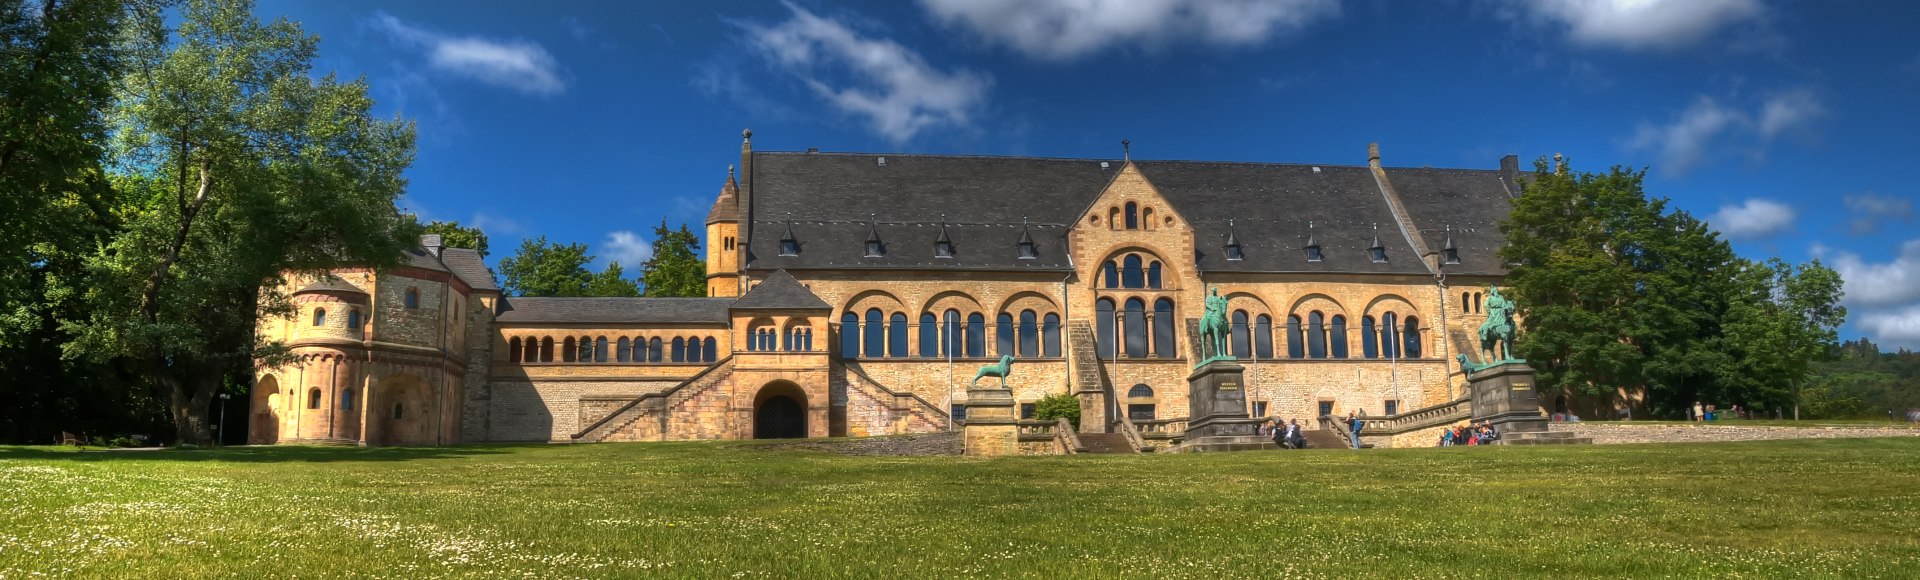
(1286, 435)
(1476, 434)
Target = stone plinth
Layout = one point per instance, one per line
(992, 428)
(1217, 406)
(1503, 397)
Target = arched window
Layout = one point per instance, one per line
(1316, 335)
(1136, 328)
(1338, 338)
(600, 349)
(397, 411)
(1104, 333)
(1143, 411)
(976, 335)
(679, 349)
(693, 349)
(1388, 348)
(319, 317)
(1029, 335)
(1153, 275)
(654, 350)
(586, 350)
(1164, 325)
(1133, 216)
(1111, 273)
(1466, 302)
(929, 336)
(1003, 334)
(950, 331)
(1146, 218)
(546, 349)
(1369, 343)
(413, 298)
(897, 335)
(1113, 218)
(1263, 337)
(1050, 335)
(875, 334)
(623, 352)
(1242, 345)
(850, 335)
(353, 319)
(1130, 274)
(533, 351)
(346, 399)
(639, 349)
(313, 399)
(513, 349)
(1140, 391)
(1296, 343)
(1479, 305)
(1411, 338)
(709, 350)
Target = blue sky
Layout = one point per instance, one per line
(1786, 124)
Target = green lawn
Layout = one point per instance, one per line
(1799, 508)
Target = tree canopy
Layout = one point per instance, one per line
(675, 268)
(454, 235)
(544, 268)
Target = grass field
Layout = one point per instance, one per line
(1783, 508)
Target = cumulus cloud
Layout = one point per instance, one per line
(514, 64)
(1870, 209)
(889, 85)
(1708, 125)
(627, 248)
(1060, 30)
(1899, 328)
(1753, 218)
(1880, 285)
(1637, 24)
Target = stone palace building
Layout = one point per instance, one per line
(855, 294)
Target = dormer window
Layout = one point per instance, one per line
(788, 245)
(1313, 245)
(1234, 253)
(875, 249)
(1450, 253)
(1027, 249)
(943, 247)
(1377, 251)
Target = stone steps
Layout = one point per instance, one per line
(1323, 439)
(1543, 438)
(1106, 443)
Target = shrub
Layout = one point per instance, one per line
(1058, 405)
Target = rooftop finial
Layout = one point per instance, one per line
(729, 171)
(1126, 148)
(746, 135)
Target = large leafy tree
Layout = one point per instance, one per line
(235, 166)
(454, 235)
(544, 268)
(1783, 320)
(675, 268)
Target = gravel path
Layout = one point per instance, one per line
(1630, 433)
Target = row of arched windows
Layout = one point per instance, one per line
(1127, 272)
(796, 339)
(882, 335)
(353, 318)
(1322, 337)
(1133, 217)
(683, 349)
(1471, 303)
(1139, 333)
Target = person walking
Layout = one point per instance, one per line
(1353, 427)
(1699, 411)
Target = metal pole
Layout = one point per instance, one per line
(220, 427)
(947, 347)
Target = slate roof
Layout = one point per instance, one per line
(1471, 201)
(832, 199)
(329, 284)
(531, 310)
(469, 266)
(781, 291)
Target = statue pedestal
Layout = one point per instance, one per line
(992, 428)
(1503, 397)
(1217, 411)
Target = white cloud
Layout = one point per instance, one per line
(1872, 285)
(1638, 24)
(515, 64)
(890, 85)
(1900, 328)
(1869, 209)
(627, 248)
(1707, 127)
(1753, 218)
(1060, 30)
(495, 225)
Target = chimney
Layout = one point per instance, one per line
(1373, 155)
(1510, 173)
(431, 242)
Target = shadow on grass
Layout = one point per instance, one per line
(261, 454)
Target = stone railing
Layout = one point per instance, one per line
(1417, 419)
(1126, 427)
(1057, 430)
(1169, 429)
(1338, 426)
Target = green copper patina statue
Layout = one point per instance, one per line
(1499, 330)
(1214, 329)
(1000, 370)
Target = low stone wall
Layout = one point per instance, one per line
(1606, 433)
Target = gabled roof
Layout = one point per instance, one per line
(780, 291)
(329, 283)
(1270, 204)
(548, 310)
(470, 267)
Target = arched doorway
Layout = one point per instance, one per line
(780, 412)
(263, 419)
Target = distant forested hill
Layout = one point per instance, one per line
(1863, 382)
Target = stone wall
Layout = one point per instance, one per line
(550, 409)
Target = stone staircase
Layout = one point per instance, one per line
(625, 423)
(1086, 358)
(1323, 439)
(1106, 443)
